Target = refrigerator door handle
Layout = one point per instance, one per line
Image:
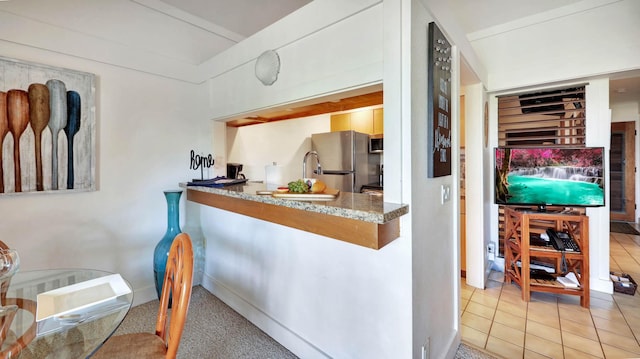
(335, 172)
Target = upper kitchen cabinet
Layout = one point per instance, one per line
(341, 122)
(378, 121)
(364, 121)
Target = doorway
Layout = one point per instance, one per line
(622, 171)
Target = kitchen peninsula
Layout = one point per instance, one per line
(356, 218)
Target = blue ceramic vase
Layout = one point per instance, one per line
(161, 253)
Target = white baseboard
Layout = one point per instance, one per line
(601, 285)
(283, 335)
(454, 342)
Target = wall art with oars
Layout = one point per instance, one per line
(47, 128)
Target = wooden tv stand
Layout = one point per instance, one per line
(519, 225)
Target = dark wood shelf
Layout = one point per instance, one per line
(519, 225)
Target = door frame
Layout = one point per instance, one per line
(629, 130)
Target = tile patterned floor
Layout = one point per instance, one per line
(556, 326)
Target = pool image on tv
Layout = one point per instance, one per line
(549, 176)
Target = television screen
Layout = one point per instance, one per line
(549, 176)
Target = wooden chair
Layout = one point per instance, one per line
(164, 343)
(5, 321)
(4, 285)
(11, 351)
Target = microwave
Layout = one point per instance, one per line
(376, 143)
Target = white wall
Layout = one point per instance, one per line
(317, 296)
(476, 241)
(589, 38)
(284, 142)
(599, 135)
(435, 239)
(625, 110)
(170, 44)
(146, 126)
(442, 10)
(335, 48)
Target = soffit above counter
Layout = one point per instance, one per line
(310, 109)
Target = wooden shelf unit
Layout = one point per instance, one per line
(519, 225)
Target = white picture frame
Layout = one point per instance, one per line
(67, 164)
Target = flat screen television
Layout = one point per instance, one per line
(549, 176)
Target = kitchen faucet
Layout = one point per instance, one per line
(304, 163)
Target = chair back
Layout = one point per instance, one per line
(4, 285)
(176, 292)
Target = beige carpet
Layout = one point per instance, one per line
(215, 331)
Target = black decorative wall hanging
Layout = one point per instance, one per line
(439, 104)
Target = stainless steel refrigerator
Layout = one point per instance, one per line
(344, 157)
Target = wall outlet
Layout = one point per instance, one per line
(446, 193)
(491, 251)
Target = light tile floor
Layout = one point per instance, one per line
(556, 326)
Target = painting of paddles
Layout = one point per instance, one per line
(47, 128)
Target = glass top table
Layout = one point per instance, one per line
(74, 335)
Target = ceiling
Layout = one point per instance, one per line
(625, 87)
(190, 32)
(474, 16)
(244, 17)
(187, 32)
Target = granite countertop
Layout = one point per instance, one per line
(356, 206)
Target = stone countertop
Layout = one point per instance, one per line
(356, 206)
